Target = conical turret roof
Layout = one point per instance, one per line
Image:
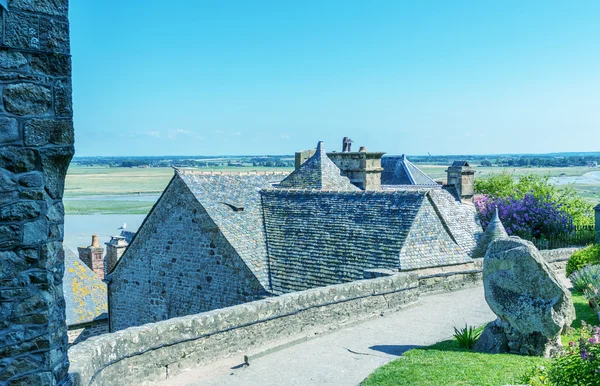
(495, 230)
(318, 172)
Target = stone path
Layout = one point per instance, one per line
(349, 355)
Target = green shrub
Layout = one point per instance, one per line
(579, 365)
(585, 278)
(467, 336)
(583, 257)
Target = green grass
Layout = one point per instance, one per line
(445, 363)
(107, 207)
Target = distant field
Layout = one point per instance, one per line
(85, 187)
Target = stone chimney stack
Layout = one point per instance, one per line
(361, 167)
(114, 250)
(462, 176)
(93, 257)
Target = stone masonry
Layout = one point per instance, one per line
(185, 267)
(36, 146)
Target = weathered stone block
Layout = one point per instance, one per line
(48, 7)
(11, 265)
(12, 60)
(31, 180)
(7, 181)
(35, 232)
(55, 162)
(9, 131)
(32, 194)
(17, 159)
(54, 35)
(19, 211)
(63, 105)
(27, 98)
(532, 305)
(51, 64)
(22, 30)
(39, 132)
(56, 212)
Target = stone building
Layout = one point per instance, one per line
(93, 256)
(219, 239)
(85, 300)
(36, 146)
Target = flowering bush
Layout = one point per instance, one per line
(579, 365)
(527, 217)
(505, 185)
(585, 278)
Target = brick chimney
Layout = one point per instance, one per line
(93, 256)
(114, 250)
(462, 176)
(363, 168)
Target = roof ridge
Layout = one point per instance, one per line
(318, 172)
(219, 173)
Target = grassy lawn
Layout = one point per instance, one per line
(445, 363)
(107, 207)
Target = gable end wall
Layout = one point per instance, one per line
(178, 264)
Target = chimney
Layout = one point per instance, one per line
(361, 167)
(95, 243)
(462, 176)
(302, 156)
(93, 256)
(114, 250)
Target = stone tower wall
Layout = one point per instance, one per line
(36, 146)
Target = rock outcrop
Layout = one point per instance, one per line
(532, 305)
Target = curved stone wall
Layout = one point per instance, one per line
(145, 354)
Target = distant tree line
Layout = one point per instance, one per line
(187, 161)
(515, 161)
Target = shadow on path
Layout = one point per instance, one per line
(393, 349)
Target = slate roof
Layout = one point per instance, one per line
(460, 219)
(84, 292)
(317, 238)
(318, 172)
(233, 202)
(400, 171)
(314, 228)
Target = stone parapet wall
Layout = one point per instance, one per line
(558, 258)
(79, 333)
(145, 354)
(155, 351)
(36, 146)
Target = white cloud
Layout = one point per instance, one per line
(181, 131)
(155, 134)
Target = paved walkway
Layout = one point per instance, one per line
(349, 355)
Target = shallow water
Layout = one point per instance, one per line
(80, 228)
(589, 178)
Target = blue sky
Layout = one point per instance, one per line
(273, 77)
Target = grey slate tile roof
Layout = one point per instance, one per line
(460, 219)
(84, 292)
(400, 171)
(317, 238)
(430, 243)
(318, 172)
(233, 202)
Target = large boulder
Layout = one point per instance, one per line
(532, 305)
